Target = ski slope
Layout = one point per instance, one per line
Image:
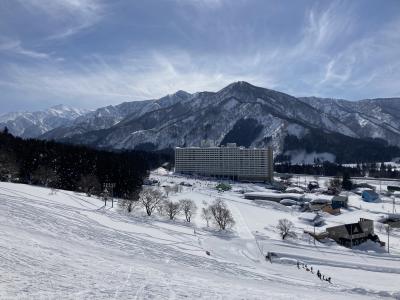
(66, 245)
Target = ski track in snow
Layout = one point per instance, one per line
(70, 246)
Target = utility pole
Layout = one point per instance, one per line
(388, 233)
(314, 231)
(351, 236)
(394, 203)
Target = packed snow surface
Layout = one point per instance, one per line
(65, 245)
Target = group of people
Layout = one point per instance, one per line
(310, 269)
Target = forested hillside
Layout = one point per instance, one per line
(74, 168)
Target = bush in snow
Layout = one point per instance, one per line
(223, 187)
(150, 199)
(285, 228)
(206, 215)
(188, 207)
(221, 214)
(130, 202)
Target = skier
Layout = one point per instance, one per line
(329, 280)
(312, 270)
(319, 274)
(298, 266)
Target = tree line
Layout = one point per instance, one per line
(153, 200)
(72, 167)
(377, 170)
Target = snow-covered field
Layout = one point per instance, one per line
(67, 245)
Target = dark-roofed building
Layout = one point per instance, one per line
(352, 234)
(339, 202)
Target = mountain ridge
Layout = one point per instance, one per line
(266, 117)
(36, 123)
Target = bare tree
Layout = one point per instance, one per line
(221, 214)
(189, 208)
(53, 191)
(130, 202)
(150, 199)
(335, 185)
(171, 208)
(171, 189)
(206, 215)
(285, 228)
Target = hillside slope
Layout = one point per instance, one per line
(66, 245)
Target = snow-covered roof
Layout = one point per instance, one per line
(274, 195)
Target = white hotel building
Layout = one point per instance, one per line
(239, 163)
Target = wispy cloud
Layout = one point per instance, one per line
(15, 47)
(67, 17)
(92, 53)
(157, 75)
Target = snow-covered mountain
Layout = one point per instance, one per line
(106, 117)
(304, 128)
(34, 124)
(241, 113)
(371, 118)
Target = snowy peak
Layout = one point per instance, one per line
(33, 124)
(240, 112)
(370, 118)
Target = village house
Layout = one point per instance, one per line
(339, 202)
(350, 235)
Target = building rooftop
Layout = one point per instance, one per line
(233, 145)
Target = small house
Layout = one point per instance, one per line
(331, 210)
(270, 196)
(349, 235)
(339, 202)
(393, 188)
(288, 202)
(318, 204)
(393, 220)
(369, 196)
(294, 189)
(313, 185)
(363, 185)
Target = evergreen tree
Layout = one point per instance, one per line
(347, 184)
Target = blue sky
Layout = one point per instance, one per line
(89, 53)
